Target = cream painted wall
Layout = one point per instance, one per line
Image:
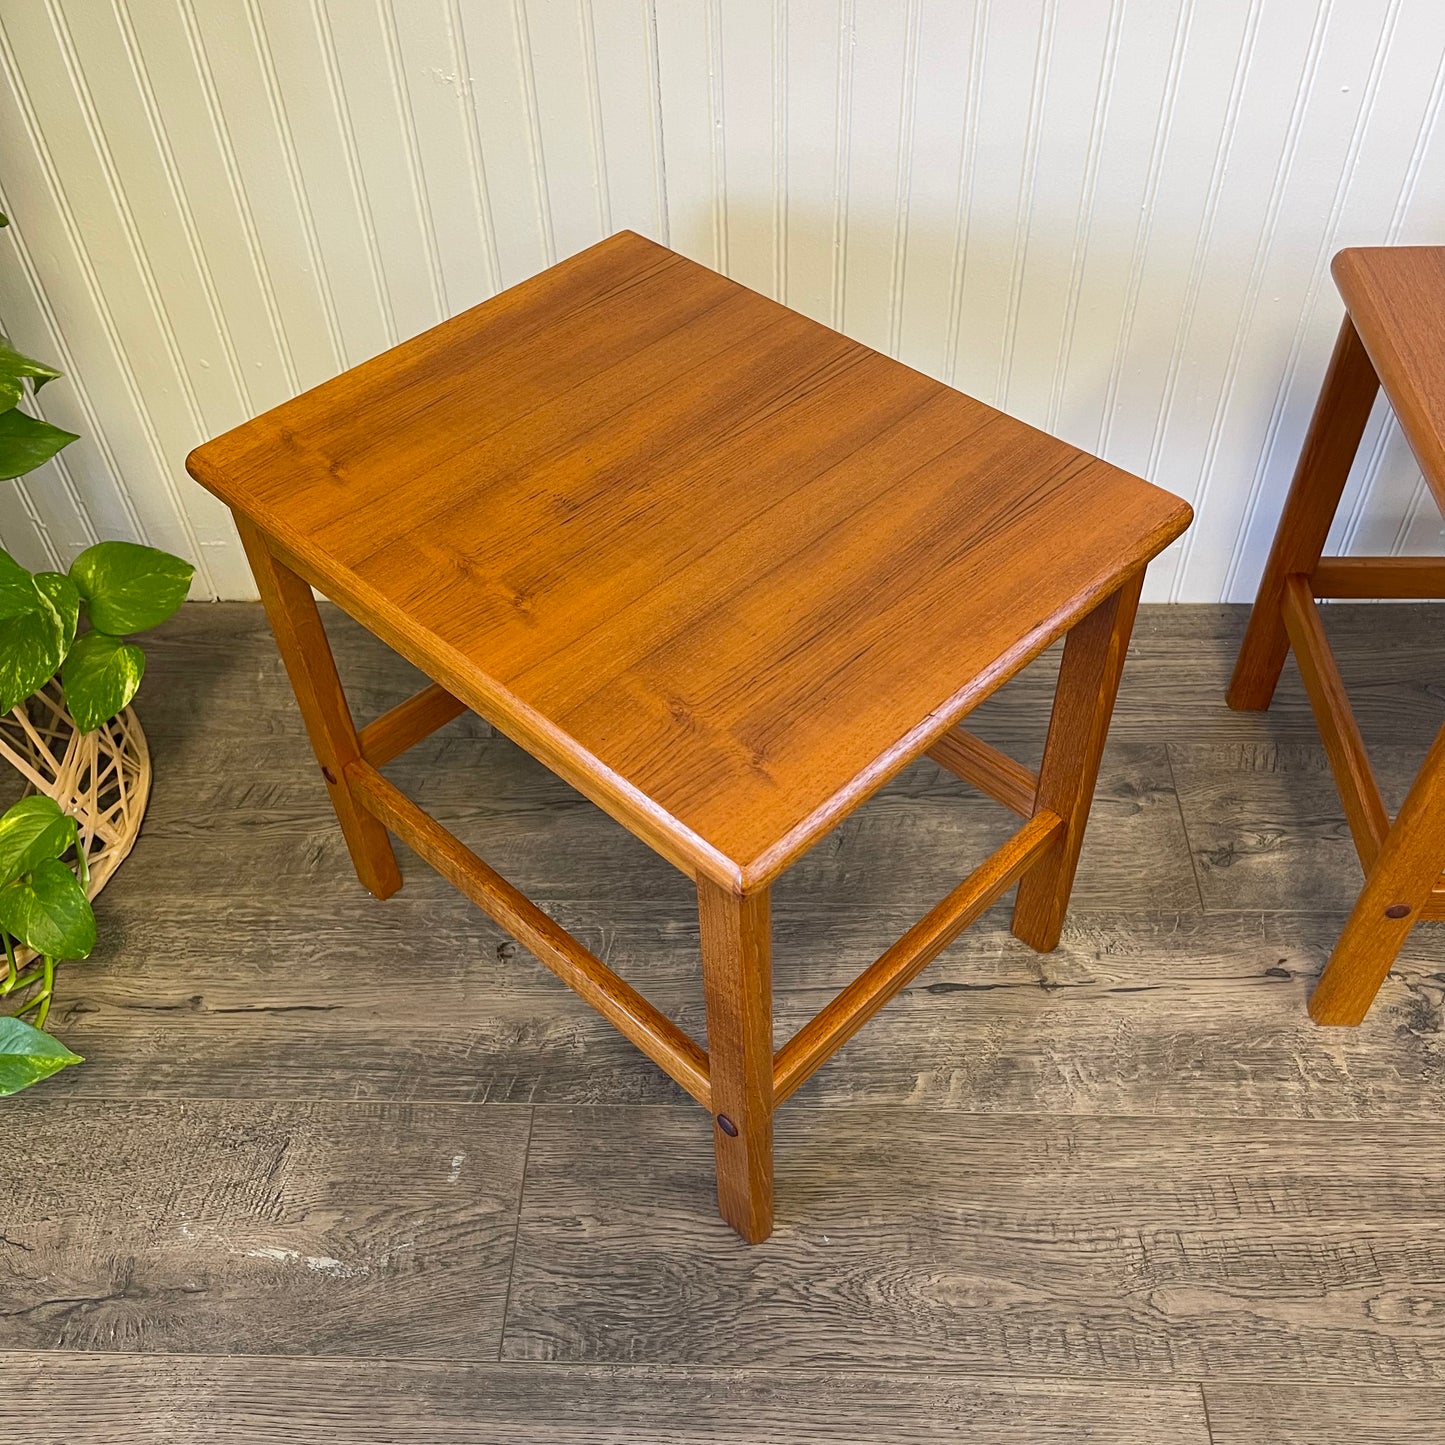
(1112, 218)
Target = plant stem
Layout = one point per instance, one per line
(41, 1001)
(10, 965)
(82, 863)
(46, 992)
(23, 980)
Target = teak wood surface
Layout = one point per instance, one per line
(724, 571)
(1394, 318)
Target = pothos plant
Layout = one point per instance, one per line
(116, 589)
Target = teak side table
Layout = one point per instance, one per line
(725, 572)
(1393, 337)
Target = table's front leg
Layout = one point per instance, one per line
(1094, 654)
(301, 640)
(737, 981)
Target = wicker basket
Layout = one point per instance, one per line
(102, 778)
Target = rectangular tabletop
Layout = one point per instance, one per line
(722, 568)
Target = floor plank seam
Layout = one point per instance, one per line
(921, 1370)
(1184, 827)
(1316, 1121)
(516, 1232)
(1204, 1406)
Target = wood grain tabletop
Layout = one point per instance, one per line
(723, 569)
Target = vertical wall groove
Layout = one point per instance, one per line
(353, 167)
(90, 283)
(656, 148)
(522, 32)
(1279, 187)
(288, 148)
(841, 171)
(216, 117)
(148, 282)
(780, 150)
(1038, 87)
(963, 215)
(62, 354)
(1205, 233)
(485, 221)
(183, 209)
(717, 134)
(37, 405)
(40, 534)
(901, 205)
(594, 112)
(1146, 218)
(416, 176)
(1084, 224)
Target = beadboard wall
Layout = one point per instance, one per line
(1112, 218)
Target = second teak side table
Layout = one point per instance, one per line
(726, 572)
(1390, 341)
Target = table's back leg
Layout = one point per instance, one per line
(737, 981)
(1094, 654)
(1339, 420)
(301, 640)
(1389, 906)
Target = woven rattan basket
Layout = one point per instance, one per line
(102, 778)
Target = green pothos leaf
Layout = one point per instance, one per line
(47, 910)
(33, 632)
(127, 587)
(27, 1055)
(64, 596)
(31, 831)
(26, 442)
(100, 676)
(14, 366)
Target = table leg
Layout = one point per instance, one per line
(737, 982)
(301, 640)
(1395, 892)
(1094, 654)
(1339, 420)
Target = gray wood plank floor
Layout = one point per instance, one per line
(367, 1169)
